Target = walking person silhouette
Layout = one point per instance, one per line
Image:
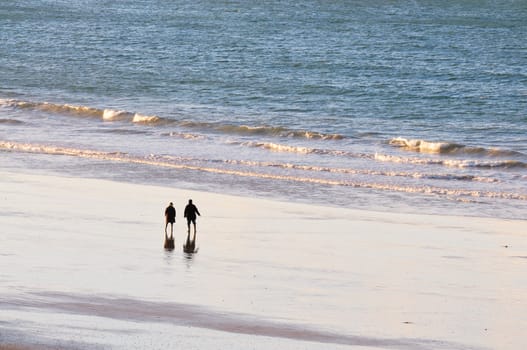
(190, 214)
(170, 218)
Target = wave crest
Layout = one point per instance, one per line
(113, 115)
(108, 114)
(262, 130)
(276, 131)
(185, 136)
(146, 119)
(424, 146)
(75, 110)
(458, 194)
(454, 163)
(276, 147)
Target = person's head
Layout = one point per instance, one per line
(171, 204)
(190, 201)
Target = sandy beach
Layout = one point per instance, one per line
(360, 168)
(83, 267)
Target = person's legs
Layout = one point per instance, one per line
(171, 229)
(188, 225)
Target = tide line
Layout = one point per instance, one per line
(154, 161)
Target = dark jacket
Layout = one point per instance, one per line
(170, 213)
(191, 211)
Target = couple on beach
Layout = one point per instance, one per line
(190, 213)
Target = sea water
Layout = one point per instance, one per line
(416, 106)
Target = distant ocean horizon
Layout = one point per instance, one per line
(401, 106)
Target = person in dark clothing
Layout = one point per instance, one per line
(170, 218)
(190, 214)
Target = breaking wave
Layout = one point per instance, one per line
(453, 163)
(276, 131)
(112, 115)
(186, 136)
(56, 150)
(423, 146)
(456, 194)
(107, 114)
(54, 108)
(146, 119)
(415, 175)
(275, 147)
(263, 130)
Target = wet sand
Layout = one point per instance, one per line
(83, 267)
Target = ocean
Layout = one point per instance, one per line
(401, 106)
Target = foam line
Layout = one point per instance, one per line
(155, 161)
(107, 114)
(453, 163)
(435, 147)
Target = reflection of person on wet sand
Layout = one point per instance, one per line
(190, 214)
(170, 218)
(190, 245)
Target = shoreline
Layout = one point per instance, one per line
(415, 280)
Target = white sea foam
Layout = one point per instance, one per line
(282, 148)
(263, 130)
(397, 159)
(113, 115)
(145, 119)
(368, 172)
(453, 163)
(108, 114)
(186, 136)
(485, 164)
(160, 162)
(276, 147)
(51, 149)
(7, 102)
(425, 146)
(274, 131)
